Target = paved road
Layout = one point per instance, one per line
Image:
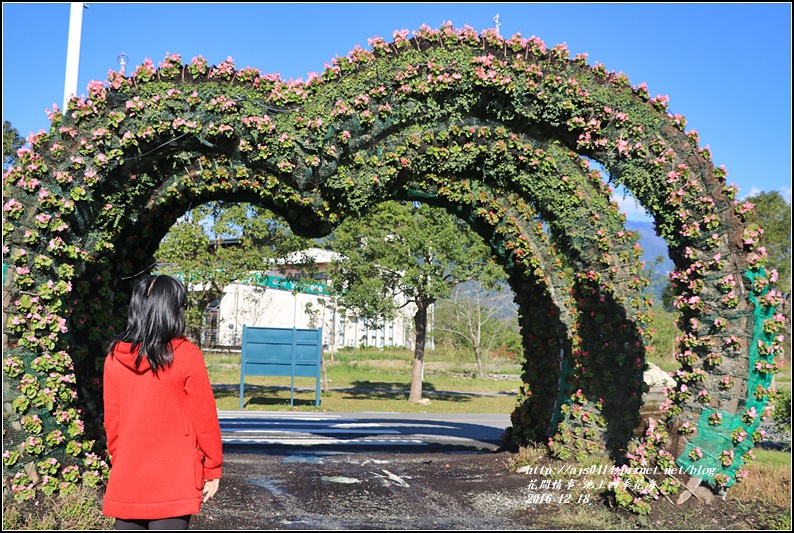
(248, 431)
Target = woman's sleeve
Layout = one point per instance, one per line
(204, 413)
(110, 397)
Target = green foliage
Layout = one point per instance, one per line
(782, 412)
(773, 213)
(513, 346)
(219, 243)
(777, 521)
(401, 253)
(12, 142)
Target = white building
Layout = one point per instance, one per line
(274, 299)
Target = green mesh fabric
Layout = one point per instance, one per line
(723, 444)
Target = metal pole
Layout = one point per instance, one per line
(73, 52)
(295, 310)
(236, 313)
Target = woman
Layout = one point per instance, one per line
(161, 421)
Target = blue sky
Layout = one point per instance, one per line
(726, 67)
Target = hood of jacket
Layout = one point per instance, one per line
(125, 355)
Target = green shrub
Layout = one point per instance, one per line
(782, 414)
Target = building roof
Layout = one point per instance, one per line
(318, 256)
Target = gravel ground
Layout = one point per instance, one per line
(431, 491)
(368, 492)
(294, 490)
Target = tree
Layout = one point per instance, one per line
(400, 254)
(217, 244)
(773, 213)
(476, 318)
(12, 141)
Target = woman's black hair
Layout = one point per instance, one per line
(154, 320)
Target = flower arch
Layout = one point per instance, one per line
(500, 132)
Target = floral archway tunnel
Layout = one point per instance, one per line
(505, 133)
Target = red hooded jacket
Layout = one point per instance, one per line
(163, 434)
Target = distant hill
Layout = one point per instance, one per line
(653, 246)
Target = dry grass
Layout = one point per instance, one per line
(590, 517)
(768, 480)
(79, 510)
(528, 455)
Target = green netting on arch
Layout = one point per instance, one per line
(718, 450)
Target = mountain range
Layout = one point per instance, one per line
(653, 246)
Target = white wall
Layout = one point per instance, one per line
(268, 307)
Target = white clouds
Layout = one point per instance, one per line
(784, 191)
(629, 205)
(632, 208)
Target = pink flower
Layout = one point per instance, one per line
(12, 204)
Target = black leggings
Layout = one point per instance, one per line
(179, 522)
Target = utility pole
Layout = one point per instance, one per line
(73, 51)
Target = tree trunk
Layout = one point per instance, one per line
(480, 364)
(420, 326)
(478, 340)
(193, 332)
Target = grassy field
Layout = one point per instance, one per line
(380, 379)
(374, 380)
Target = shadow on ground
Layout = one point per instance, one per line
(361, 390)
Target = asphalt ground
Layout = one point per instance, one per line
(258, 430)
